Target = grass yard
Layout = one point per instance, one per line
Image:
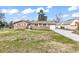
(38, 41)
(76, 31)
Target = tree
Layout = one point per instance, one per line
(5, 24)
(41, 16)
(58, 18)
(45, 18)
(1, 24)
(2, 17)
(11, 25)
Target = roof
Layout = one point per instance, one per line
(21, 21)
(68, 22)
(37, 22)
(43, 22)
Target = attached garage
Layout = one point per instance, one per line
(52, 27)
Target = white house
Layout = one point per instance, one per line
(70, 24)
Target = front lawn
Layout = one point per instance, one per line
(35, 41)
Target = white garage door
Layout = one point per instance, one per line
(52, 27)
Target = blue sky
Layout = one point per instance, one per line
(15, 13)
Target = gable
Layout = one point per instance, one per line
(21, 22)
(74, 22)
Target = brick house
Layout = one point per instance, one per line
(33, 24)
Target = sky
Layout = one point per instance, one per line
(16, 13)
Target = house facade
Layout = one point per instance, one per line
(33, 24)
(70, 24)
(21, 25)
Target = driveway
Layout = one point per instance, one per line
(68, 34)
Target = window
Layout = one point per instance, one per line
(44, 24)
(40, 24)
(36, 24)
(29, 24)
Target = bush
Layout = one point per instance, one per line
(62, 27)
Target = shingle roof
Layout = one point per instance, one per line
(21, 21)
(43, 22)
(37, 22)
(68, 22)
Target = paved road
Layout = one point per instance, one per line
(68, 34)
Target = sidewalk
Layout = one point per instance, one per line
(68, 34)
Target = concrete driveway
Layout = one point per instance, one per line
(68, 34)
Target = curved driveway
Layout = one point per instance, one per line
(68, 34)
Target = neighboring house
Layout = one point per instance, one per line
(70, 24)
(33, 24)
(77, 23)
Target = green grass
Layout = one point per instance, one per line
(35, 41)
(60, 38)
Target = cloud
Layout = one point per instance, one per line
(75, 14)
(10, 11)
(24, 16)
(65, 15)
(27, 11)
(49, 7)
(41, 8)
(13, 11)
(72, 8)
(4, 11)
